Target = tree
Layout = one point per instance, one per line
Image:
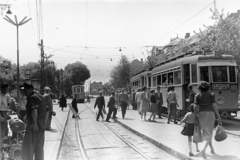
(121, 74)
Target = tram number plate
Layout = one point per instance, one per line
(220, 86)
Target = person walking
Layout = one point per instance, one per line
(134, 104)
(100, 103)
(159, 99)
(21, 111)
(48, 100)
(207, 110)
(63, 102)
(153, 106)
(191, 96)
(74, 106)
(188, 130)
(33, 142)
(138, 100)
(123, 99)
(172, 100)
(111, 107)
(144, 102)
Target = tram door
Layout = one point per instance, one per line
(186, 82)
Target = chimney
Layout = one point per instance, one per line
(187, 35)
(141, 60)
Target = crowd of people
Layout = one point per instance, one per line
(35, 111)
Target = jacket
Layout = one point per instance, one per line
(100, 102)
(111, 102)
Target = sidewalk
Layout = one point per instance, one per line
(168, 137)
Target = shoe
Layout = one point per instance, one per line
(212, 151)
(168, 122)
(107, 121)
(197, 150)
(97, 120)
(49, 129)
(154, 121)
(150, 120)
(191, 154)
(160, 117)
(114, 117)
(204, 154)
(175, 122)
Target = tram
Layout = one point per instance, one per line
(80, 92)
(220, 72)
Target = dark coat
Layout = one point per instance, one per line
(111, 102)
(159, 98)
(100, 102)
(63, 102)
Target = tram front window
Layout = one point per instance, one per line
(204, 74)
(219, 74)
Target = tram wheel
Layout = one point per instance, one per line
(224, 114)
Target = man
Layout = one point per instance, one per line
(33, 142)
(74, 106)
(3, 115)
(173, 104)
(138, 100)
(133, 100)
(21, 111)
(191, 97)
(100, 102)
(48, 100)
(123, 100)
(159, 99)
(111, 107)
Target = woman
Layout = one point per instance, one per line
(153, 106)
(63, 102)
(206, 108)
(144, 102)
(74, 106)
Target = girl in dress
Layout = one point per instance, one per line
(153, 106)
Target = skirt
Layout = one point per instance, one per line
(144, 106)
(188, 129)
(153, 108)
(206, 120)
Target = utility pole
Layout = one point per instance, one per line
(47, 57)
(42, 64)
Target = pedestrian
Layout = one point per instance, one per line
(33, 142)
(191, 96)
(49, 113)
(144, 102)
(3, 115)
(111, 107)
(159, 101)
(207, 110)
(138, 99)
(188, 130)
(134, 104)
(153, 106)
(74, 105)
(123, 99)
(21, 111)
(100, 103)
(63, 102)
(173, 104)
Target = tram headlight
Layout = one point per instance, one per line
(220, 99)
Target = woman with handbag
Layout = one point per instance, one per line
(207, 108)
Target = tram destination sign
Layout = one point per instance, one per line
(220, 86)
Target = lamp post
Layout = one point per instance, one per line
(17, 24)
(62, 79)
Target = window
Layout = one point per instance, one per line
(219, 74)
(232, 73)
(149, 82)
(164, 79)
(204, 76)
(159, 80)
(177, 77)
(143, 81)
(194, 73)
(154, 81)
(170, 78)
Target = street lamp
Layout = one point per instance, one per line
(4, 7)
(17, 24)
(62, 79)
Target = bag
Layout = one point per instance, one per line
(104, 111)
(197, 135)
(220, 134)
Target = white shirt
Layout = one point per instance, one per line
(22, 103)
(138, 97)
(3, 102)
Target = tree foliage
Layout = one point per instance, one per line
(121, 74)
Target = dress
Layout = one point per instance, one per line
(144, 105)
(190, 121)
(153, 105)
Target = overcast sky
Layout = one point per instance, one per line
(102, 26)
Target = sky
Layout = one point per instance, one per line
(93, 31)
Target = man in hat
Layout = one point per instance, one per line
(3, 114)
(33, 142)
(48, 100)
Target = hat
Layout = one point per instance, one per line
(3, 86)
(27, 86)
(21, 86)
(46, 88)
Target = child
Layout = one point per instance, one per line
(188, 130)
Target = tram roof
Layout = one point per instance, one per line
(144, 73)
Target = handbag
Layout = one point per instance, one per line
(220, 134)
(197, 134)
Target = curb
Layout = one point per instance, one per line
(156, 143)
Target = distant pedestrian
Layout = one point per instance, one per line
(63, 102)
(172, 100)
(134, 103)
(207, 108)
(74, 105)
(138, 100)
(159, 101)
(33, 142)
(111, 107)
(153, 106)
(21, 111)
(144, 103)
(100, 103)
(123, 99)
(48, 99)
(188, 130)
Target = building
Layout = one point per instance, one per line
(96, 87)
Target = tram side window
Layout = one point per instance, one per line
(232, 73)
(219, 74)
(164, 79)
(177, 77)
(194, 73)
(204, 74)
(170, 78)
(154, 81)
(159, 79)
(149, 82)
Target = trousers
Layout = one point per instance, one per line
(110, 111)
(123, 108)
(173, 110)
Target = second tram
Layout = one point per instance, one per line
(80, 92)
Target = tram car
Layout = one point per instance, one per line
(80, 92)
(220, 72)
